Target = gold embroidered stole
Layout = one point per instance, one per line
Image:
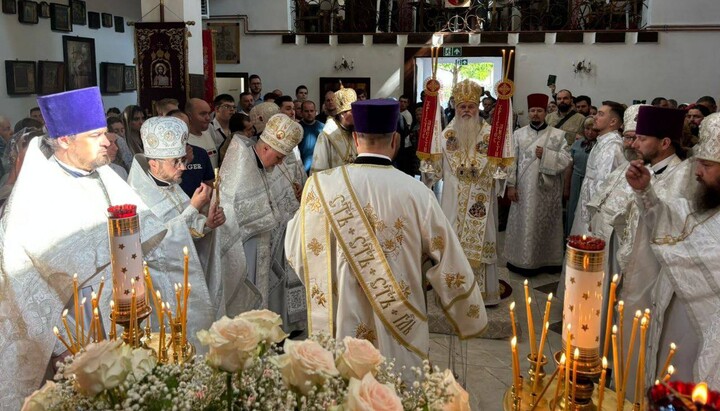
(349, 153)
(332, 195)
(474, 195)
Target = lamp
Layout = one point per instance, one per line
(582, 66)
(343, 64)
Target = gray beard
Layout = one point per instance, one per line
(468, 131)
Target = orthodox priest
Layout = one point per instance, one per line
(54, 226)
(683, 236)
(468, 194)
(334, 146)
(359, 242)
(155, 176)
(258, 201)
(534, 241)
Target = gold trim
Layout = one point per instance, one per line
(582, 260)
(118, 227)
(306, 266)
(331, 302)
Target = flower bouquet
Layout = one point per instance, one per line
(247, 369)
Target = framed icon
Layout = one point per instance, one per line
(28, 12)
(93, 20)
(130, 83)
(51, 77)
(9, 6)
(60, 17)
(44, 10)
(107, 19)
(119, 24)
(20, 76)
(79, 12)
(79, 59)
(112, 77)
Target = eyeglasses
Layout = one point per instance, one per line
(228, 107)
(177, 162)
(628, 138)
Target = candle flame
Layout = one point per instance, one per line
(112, 304)
(65, 312)
(56, 331)
(638, 313)
(83, 301)
(604, 363)
(576, 354)
(657, 382)
(647, 311)
(93, 296)
(615, 278)
(512, 306)
(529, 300)
(562, 359)
(525, 282)
(643, 322)
(513, 342)
(614, 329)
(158, 294)
(185, 250)
(621, 304)
(700, 393)
(75, 277)
(671, 369)
(584, 237)
(133, 291)
(95, 311)
(569, 326)
(672, 345)
(550, 297)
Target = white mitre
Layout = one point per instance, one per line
(164, 137)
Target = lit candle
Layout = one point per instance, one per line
(620, 322)
(568, 351)
(700, 395)
(100, 289)
(512, 318)
(576, 357)
(538, 362)
(608, 320)
(161, 321)
(62, 340)
(82, 321)
(177, 297)
(113, 315)
(67, 329)
(670, 372)
(531, 325)
(557, 386)
(186, 262)
(668, 359)
(96, 320)
(626, 368)
(602, 383)
(133, 325)
(640, 378)
(546, 318)
(76, 299)
(616, 370)
(516, 364)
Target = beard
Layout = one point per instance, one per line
(630, 154)
(707, 196)
(694, 129)
(468, 131)
(564, 108)
(101, 160)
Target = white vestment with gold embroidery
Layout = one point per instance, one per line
(334, 147)
(411, 230)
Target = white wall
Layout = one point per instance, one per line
(684, 12)
(37, 42)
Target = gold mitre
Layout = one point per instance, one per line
(344, 98)
(282, 133)
(467, 91)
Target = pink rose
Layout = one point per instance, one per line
(360, 357)
(100, 367)
(306, 361)
(369, 395)
(269, 324)
(232, 342)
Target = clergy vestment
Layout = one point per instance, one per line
(361, 251)
(470, 204)
(185, 228)
(257, 204)
(535, 230)
(334, 147)
(55, 225)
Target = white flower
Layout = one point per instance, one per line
(143, 363)
(102, 366)
(306, 361)
(359, 358)
(369, 395)
(232, 342)
(459, 398)
(269, 324)
(41, 399)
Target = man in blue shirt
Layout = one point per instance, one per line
(311, 129)
(199, 168)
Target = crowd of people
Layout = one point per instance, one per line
(315, 211)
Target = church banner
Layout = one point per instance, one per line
(208, 65)
(161, 62)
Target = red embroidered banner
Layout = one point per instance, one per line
(427, 123)
(209, 64)
(501, 116)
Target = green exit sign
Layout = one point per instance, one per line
(452, 51)
(461, 62)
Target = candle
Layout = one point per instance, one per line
(539, 357)
(616, 370)
(640, 379)
(568, 351)
(557, 386)
(546, 318)
(62, 340)
(76, 299)
(67, 328)
(621, 314)
(512, 318)
(186, 273)
(602, 383)
(82, 321)
(626, 368)
(516, 365)
(133, 331)
(670, 372)
(161, 321)
(668, 359)
(531, 326)
(576, 357)
(113, 315)
(100, 289)
(96, 320)
(216, 186)
(608, 320)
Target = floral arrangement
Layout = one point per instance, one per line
(247, 369)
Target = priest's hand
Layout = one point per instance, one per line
(216, 217)
(201, 196)
(513, 194)
(538, 152)
(638, 175)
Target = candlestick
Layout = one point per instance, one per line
(667, 360)
(538, 359)
(568, 351)
(602, 383)
(631, 347)
(512, 318)
(670, 372)
(561, 368)
(531, 325)
(608, 320)
(616, 370)
(576, 357)
(62, 340)
(640, 379)
(76, 299)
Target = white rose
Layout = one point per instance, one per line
(459, 398)
(232, 342)
(369, 395)
(143, 363)
(102, 366)
(41, 400)
(306, 361)
(360, 357)
(268, 323)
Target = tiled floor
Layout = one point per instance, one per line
(489, 371)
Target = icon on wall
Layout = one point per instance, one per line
(20, 76)
(79, 12)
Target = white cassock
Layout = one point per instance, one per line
(360, 251)
(257, 204)
(535, 230)
(55, 225)
(334, 147)
(685, 241)
(185, 228)
(469, 202)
